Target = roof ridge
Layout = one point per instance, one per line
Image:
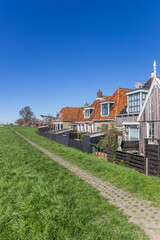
(71, 107)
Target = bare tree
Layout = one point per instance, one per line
(27, 115)
(49, 120)
(20, 121)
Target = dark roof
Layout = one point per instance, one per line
(123, 111)
(47, 116)
(147, 84)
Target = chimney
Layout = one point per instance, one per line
(99, 94)
(86, 104)
(152, 74)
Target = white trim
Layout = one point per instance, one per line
(108, 109)
(94, 134)
(129, 132)
(136, 91)
(99, 98)
(90, 113)
(89, 108)
(107, 102)
(62, 131)
(148, 123)
(131, 123)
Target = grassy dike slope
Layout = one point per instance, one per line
(140, 185)
(39, 199)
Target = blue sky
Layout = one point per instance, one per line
(59, 53)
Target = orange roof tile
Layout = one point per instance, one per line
(120, 99)
(69, 113)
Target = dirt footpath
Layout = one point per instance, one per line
(140, 211)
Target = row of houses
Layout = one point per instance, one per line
(136, 112)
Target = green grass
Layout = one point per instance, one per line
(39, 199)
(140, 185)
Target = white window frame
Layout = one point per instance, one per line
(140, 91)
(129, 125)
(134, 100)
(88, 108)
(108, 109)
(151, 140)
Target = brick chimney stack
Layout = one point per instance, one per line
(99, 94)
(86, 104)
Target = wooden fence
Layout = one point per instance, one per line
(83, 145)
(148, 164)
(128, 159)
(130, 145)
(152, 155)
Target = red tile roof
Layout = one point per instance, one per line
(120, 99)
(69, 113)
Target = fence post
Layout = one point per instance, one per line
(146, 156)
(146, 168)
(158, 157)
(127, 159)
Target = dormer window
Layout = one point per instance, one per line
(105, 109)
(136, 99)
(58, 116)
(88, 112)
(134, 102)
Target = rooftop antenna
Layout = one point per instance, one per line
(154, 67)
(137, 85)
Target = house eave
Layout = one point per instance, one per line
(137, 91)
(103, 120)
(131, 123)
(84, 122)
(63, 120)
(127, 114)
(107, 102)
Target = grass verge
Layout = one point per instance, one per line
(39, 199)
(140, 185)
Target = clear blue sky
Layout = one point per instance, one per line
(60, 52)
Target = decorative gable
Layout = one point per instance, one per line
(151, 109)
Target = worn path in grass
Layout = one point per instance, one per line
(140, 211)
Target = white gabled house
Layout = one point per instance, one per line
(149, 117)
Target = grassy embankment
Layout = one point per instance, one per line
(39, 199)
(142, 186)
